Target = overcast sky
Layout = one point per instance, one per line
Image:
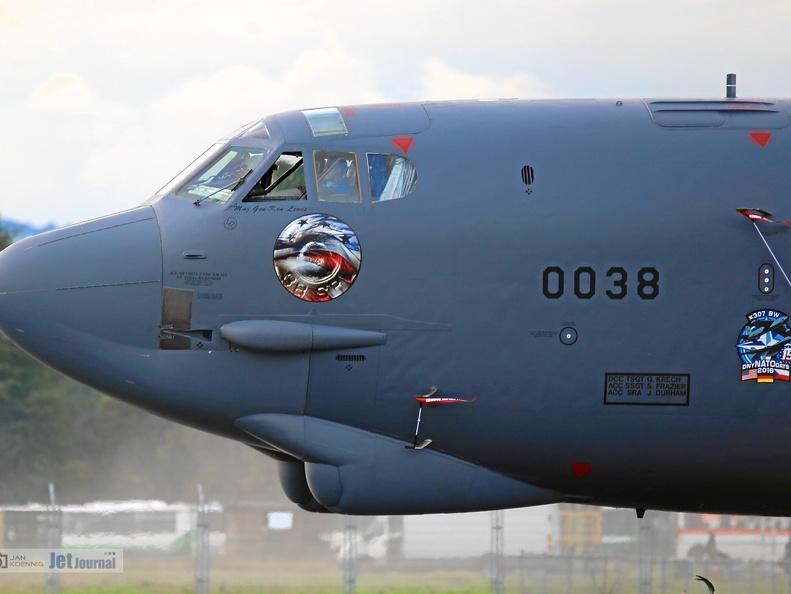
(103, 101)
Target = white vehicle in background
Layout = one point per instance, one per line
(720, 537)
(136, 525)
(530, 530)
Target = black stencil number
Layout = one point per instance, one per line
(554, 279)
(580, 285)
(554, 283)
(619, 278)
(648, 283)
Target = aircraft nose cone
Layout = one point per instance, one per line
(87, 286)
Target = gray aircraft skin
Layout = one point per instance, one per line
(561, 296)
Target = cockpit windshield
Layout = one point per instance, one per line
(190, 169)
(284, 180)
(223, 176)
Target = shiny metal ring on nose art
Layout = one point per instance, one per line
(317, 257)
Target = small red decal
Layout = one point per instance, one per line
(761, 138)
(403, 143)
(580, 469)
(349, 112)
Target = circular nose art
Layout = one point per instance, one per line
(317, 257)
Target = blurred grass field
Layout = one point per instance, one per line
(174, 574)
(169, 575)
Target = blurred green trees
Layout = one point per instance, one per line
(92, 447)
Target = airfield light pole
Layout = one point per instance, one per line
(202, 545)
(54, 538)
(645, 560)
(350, 555)
(498, 544)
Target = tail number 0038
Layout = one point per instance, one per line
(553, 284)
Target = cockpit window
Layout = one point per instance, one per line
(392, 176)
(336, 176)
(190, 169)
(259, 130)
(284, 180)
(223, 176)
(325, 121)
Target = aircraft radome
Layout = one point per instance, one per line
(452, 306)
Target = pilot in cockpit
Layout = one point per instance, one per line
(338, 182)
(234, 170)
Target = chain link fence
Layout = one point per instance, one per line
(549, 550)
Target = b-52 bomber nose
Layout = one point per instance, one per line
(82, 297)
(457, 306)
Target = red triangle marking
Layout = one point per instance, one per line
(580, 469)
(761, 138)
(403, 143)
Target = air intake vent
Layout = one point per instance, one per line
(528, 175)
(350, 357)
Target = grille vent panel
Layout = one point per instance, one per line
(350, 358)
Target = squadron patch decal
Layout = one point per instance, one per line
(317, 257)
(764, 346)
